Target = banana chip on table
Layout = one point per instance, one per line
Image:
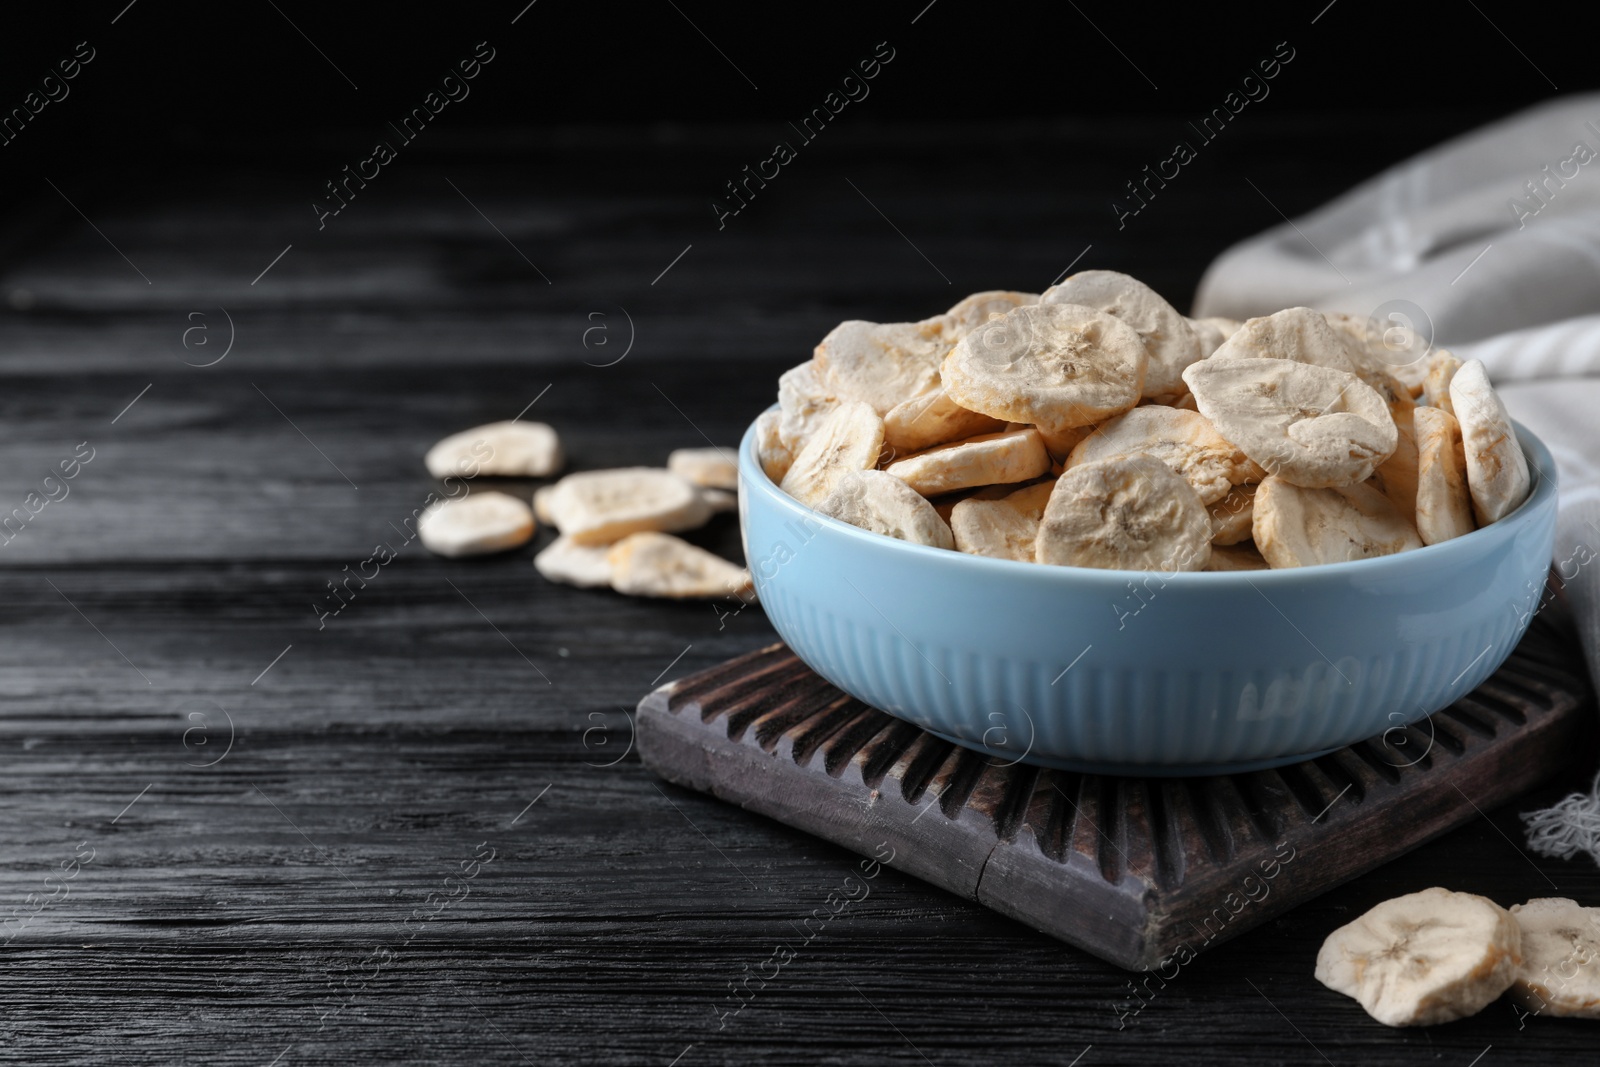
(1497, 471)
(850, 439)
(1298, 527)
(1183, 440)
(710, 468)
(1314, 426)
(1424, 958)
(585, 566)
(599, 507)
(989, 459)
(475, 525)
(1130, 513)
(1170, 343)
(512, 449)
(1560, 972)
(1444, 505)
(1054, 366)
(880, 502)
(1007, 528)
(661, 565)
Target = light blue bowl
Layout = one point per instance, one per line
(1121, 672)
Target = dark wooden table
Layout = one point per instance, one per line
(414, 831)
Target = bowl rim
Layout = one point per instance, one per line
(1463, 550)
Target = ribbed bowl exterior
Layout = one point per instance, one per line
(1145, 672)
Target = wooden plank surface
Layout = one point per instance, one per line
(276, 903)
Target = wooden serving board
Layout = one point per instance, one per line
(1138, 871)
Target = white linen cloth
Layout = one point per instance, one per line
(1495, 238)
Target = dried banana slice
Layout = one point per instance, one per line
(977, 309)
(1130, 513)
(1299, 335)
(1436, 386)
(988, 459)
(1240, 557)
(1560, 972)
(1002, 529)
(512, 449)
(1444, 505)
(1396, 477)
(1424, 958)
(1212, 332)
(475, 525)
(932, 419)
(541, 505)
(720, 500)
(1169, 342)
(712, 468)
(1314, 426)
(850, 439)
(882, 503)
(881, 363)
(599, 507)
(776, 459)
(1054, 366)
(585, 566)
(1497, 471)
(1297, 527)
(1231, 517)
(805, 401)
(658, 564)
(1394, 350)
(1183, 440)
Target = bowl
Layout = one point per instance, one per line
(1134, 672)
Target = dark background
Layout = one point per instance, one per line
(231, 898)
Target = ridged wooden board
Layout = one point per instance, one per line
(1138, 871)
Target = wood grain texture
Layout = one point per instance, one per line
(227, 913)
(1145, 873)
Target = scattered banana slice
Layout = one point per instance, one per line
(850, 439)
(804, 402)
(1560, 972)
(932, 419)
(881, 363)
(1497, 471)
(977, 309)
(1424, 958)
(1298, 527)
(1436, 386)
(1444, 505)
(1130, 513)
(720, 500)
(1183, 440)
(541, 505)
(585, 566)
(988, 459)
(1002, 529)
(880, 502)
(1312, 425)
(712, 468)
(475, 525)
(1054, 366)
(660, 565)
(1240, 557)
(1169, 342)
(1231, 517)
(512, 449)
(599, 507)
(1299, 335)
(775, 456)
